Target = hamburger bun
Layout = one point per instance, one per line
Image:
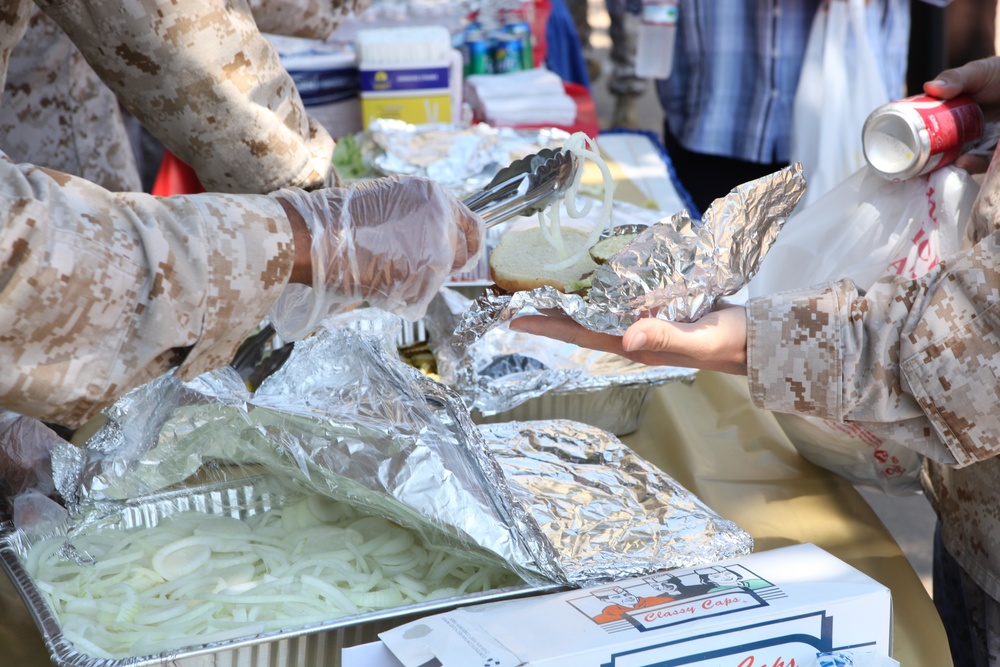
(518, 262)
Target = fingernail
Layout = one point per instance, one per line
(938, 83)
(637, 342)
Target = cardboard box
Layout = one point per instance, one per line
(777, 608)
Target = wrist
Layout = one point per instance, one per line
(302, 240)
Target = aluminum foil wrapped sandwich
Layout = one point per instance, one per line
(677, 269)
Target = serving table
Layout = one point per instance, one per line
(708, 435)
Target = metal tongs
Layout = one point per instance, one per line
(526, 186)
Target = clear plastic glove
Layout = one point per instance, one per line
(390, 243)
(26, 446)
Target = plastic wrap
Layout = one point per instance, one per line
(25, 448)
(27, 479)
(675, 270)
(345, 417)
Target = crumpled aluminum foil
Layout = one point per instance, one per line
(345, 417)
(675, 270)
(608, 513)
(462, 158)
(505, 368)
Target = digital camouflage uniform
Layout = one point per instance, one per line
(229, 109)
(57, 113)
(912, 361)
(166, 281)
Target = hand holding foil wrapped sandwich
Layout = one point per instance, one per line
(716, 342)
(672, 273)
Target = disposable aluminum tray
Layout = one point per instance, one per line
(316, 645)
(616, 408)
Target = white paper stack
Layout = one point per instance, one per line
(529, 97)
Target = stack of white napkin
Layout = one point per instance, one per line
(529, 97)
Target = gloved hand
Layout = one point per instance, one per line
(390, 242)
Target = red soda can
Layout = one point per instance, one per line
(916, 135)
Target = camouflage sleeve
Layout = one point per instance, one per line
(100, 292)
(315, 19)
(202, 78)
(57, 113)
(916, 361)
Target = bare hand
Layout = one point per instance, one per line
(980, 80)
(716, 342)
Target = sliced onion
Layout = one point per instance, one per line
(181, 557)
(194, 579)
(583, 148)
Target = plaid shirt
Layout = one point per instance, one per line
(736, 68)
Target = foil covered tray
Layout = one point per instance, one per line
(618, 409)
(313, 645)
(512, 376)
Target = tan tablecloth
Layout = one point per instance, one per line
(711, 439)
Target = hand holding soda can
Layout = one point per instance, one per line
(918, 134)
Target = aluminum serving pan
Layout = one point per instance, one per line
(316, 645)
(618, 409)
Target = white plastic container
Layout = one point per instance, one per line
(409, 74)
(655, 53)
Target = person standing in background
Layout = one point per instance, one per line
(623, 30)
(728, 102)
(623, 84)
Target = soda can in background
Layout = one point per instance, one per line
(506, 53)
(478, 56)
(522, 29)
(916, 135)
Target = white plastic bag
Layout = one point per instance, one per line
(868, 227)
(864, 229)
(839, 86)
